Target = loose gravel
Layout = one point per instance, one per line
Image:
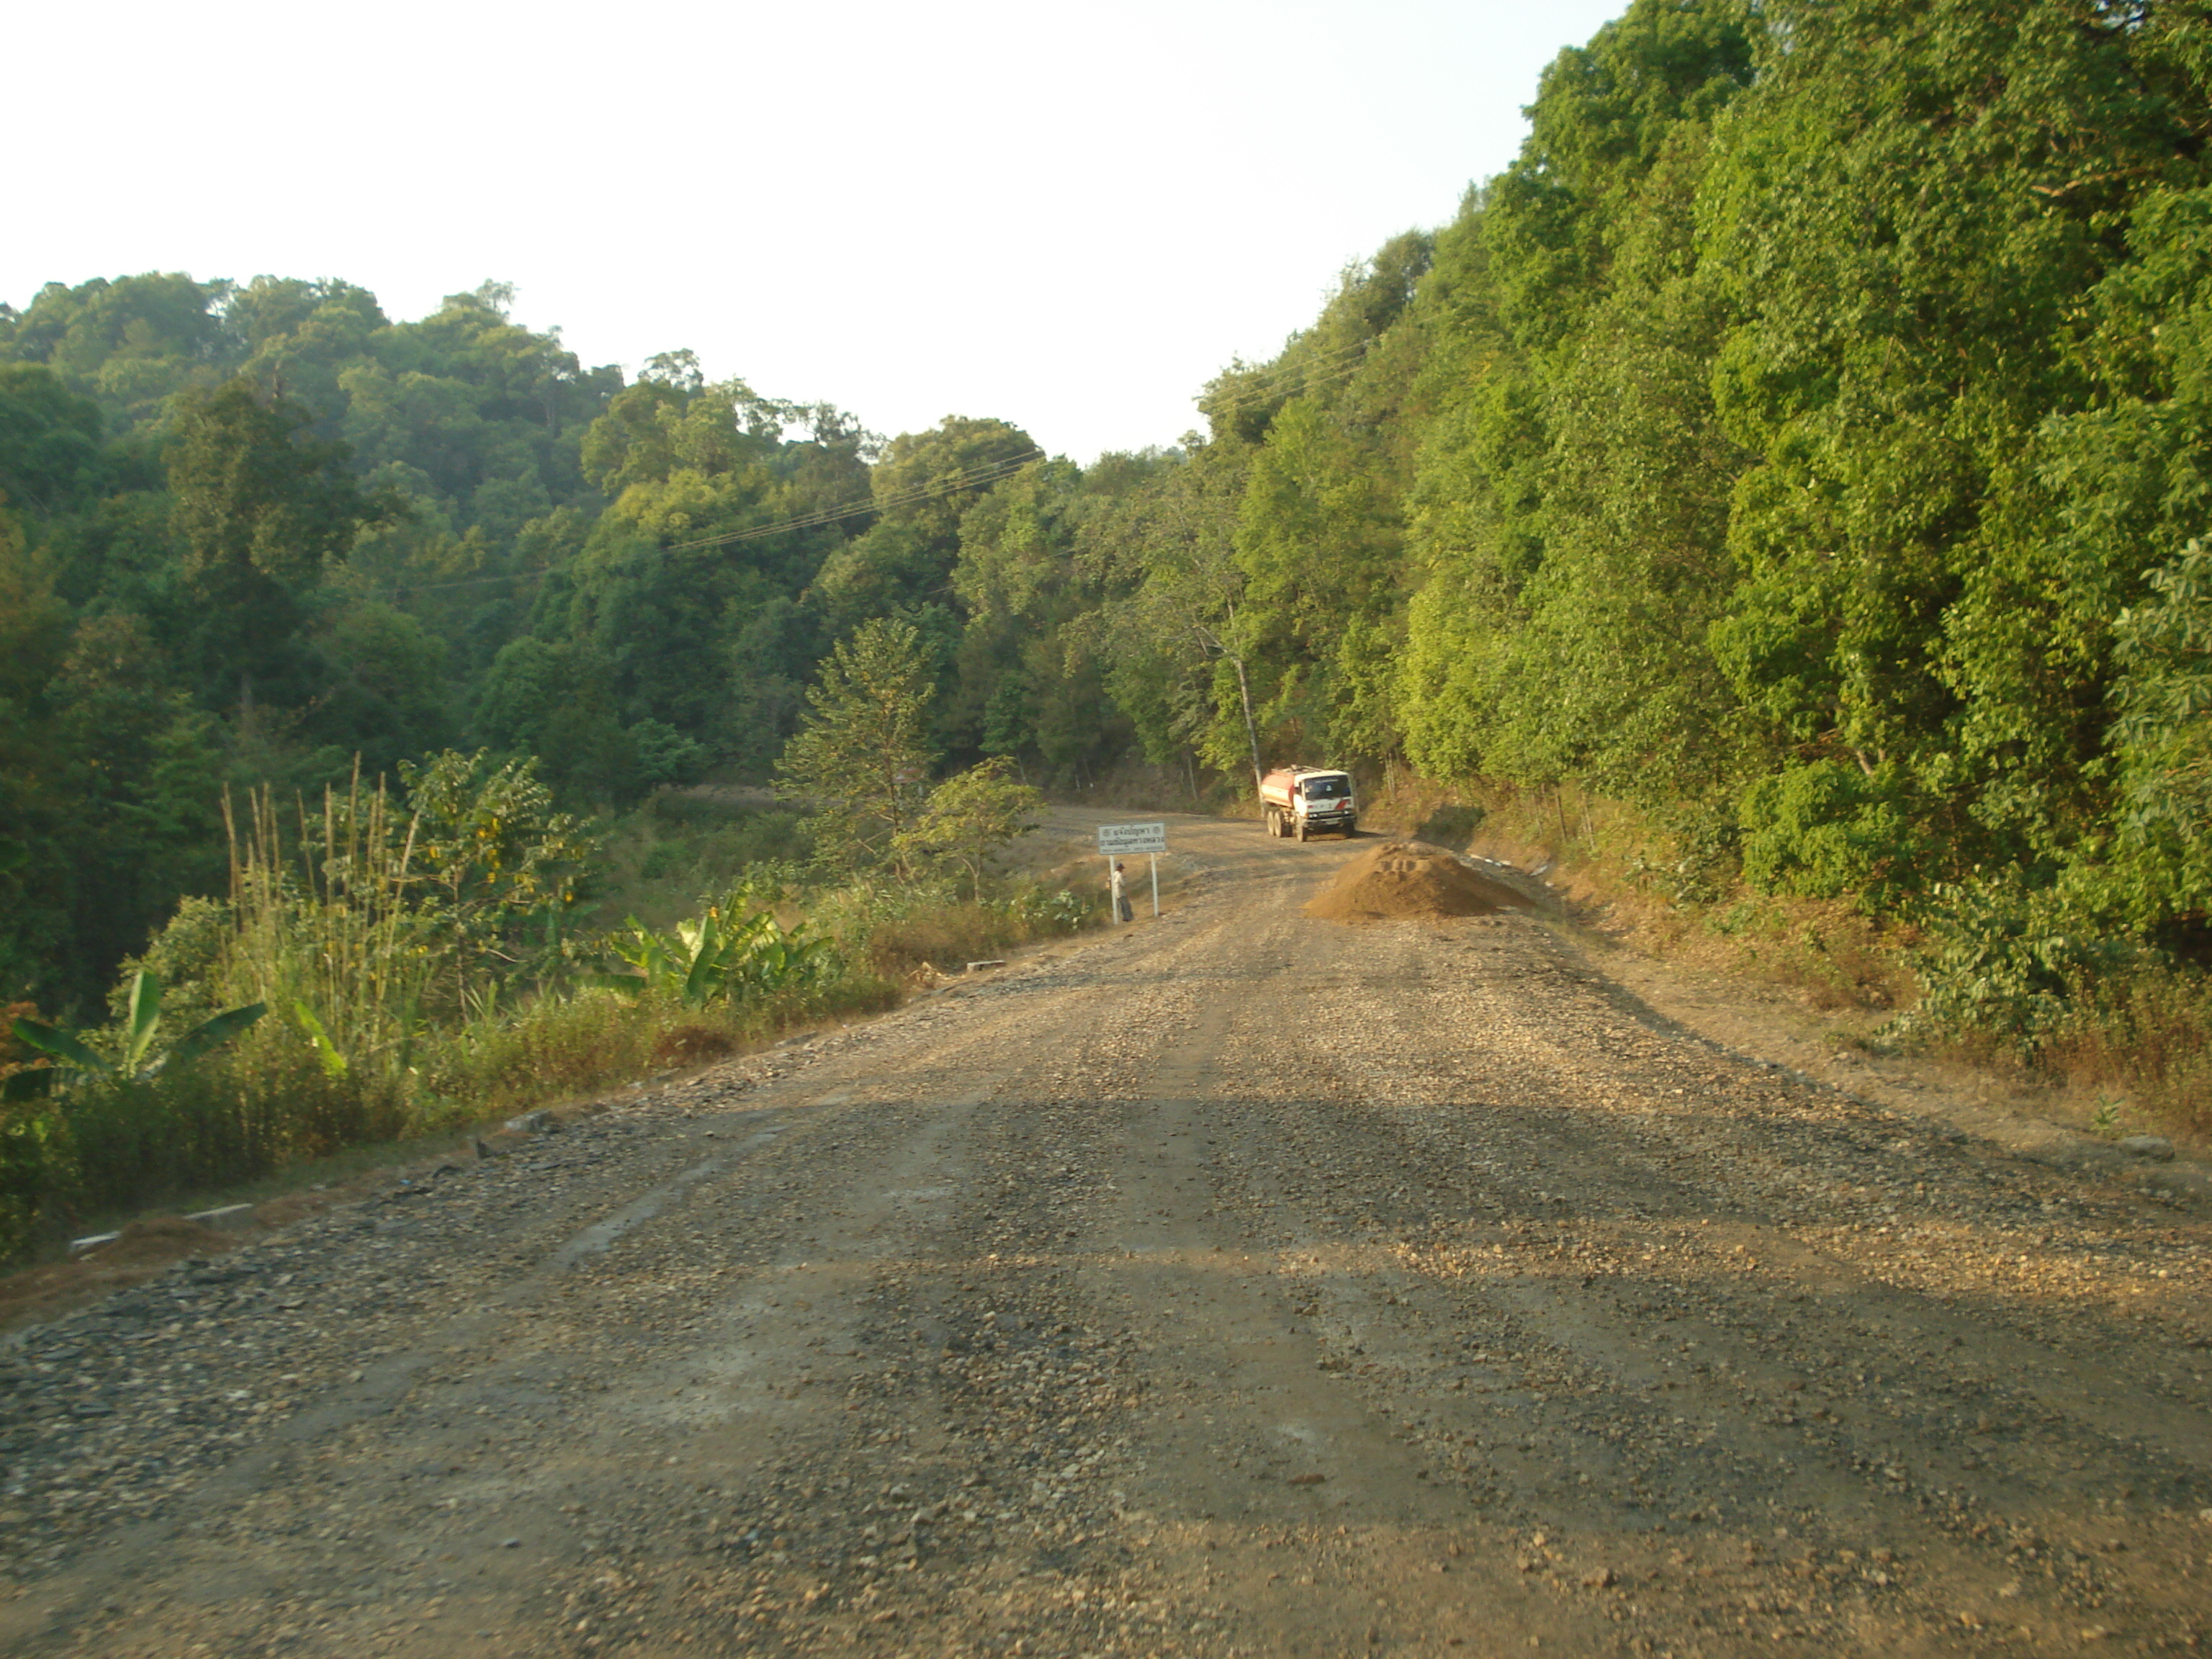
(1238, 1284)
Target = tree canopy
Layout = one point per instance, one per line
(1804, 440)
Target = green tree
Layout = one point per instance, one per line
(260, 506)
(923, 487)
(50, 441)
(1173, 625)
(2160, 873)
(862, 760)
(971, 816)
(493, 862)
(1571, 501)
(131, 343)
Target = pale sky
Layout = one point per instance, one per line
(1069, 218)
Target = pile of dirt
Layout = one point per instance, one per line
(1407, 881)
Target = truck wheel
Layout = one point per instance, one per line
(1301, 829)
(1270, 816)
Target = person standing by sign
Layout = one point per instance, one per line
(1115, 839)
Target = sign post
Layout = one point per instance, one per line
(1115, 839)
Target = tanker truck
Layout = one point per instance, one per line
(1304, 800)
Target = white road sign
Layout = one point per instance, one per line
(1115, 839)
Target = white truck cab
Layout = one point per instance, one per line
(1306, 800)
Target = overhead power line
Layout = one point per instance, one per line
(440, 587)
(1320, 359)
(973, 477)
(1303, 382)
(1332, 365)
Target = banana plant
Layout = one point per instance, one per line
(702, 960)
(685, 965)
(137, 1060)
(775, 958)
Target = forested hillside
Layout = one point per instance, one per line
(1805, 443)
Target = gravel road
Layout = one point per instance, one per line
(1237, 1284)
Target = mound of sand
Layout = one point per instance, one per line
(1407, 881)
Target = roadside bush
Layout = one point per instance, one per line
(943, 935)
(407, 998)
(2000, 961)
(227, 1120)
(893, 932)
(542, 1049)
(679, 844)
(38, 1173)
(1695, 861)
(1827, 831)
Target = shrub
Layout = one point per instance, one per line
(1825, 830)
(38, 1172)
(2000, 961)
(547, 1048)
(899, 931)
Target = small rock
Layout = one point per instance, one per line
(2157, 1148)
(539, 1122)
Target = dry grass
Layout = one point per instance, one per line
(938, 938)
(693, 1043)
(949, 936)
(2146, 1037)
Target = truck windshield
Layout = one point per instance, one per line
(1327, 788)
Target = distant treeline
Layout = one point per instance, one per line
(1805, 441)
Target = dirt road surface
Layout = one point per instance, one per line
(1237, 1284)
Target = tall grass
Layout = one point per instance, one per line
(387, 1022)
(332, 935)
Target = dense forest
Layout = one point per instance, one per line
(1805, 444)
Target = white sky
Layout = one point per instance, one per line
(1069, 218)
